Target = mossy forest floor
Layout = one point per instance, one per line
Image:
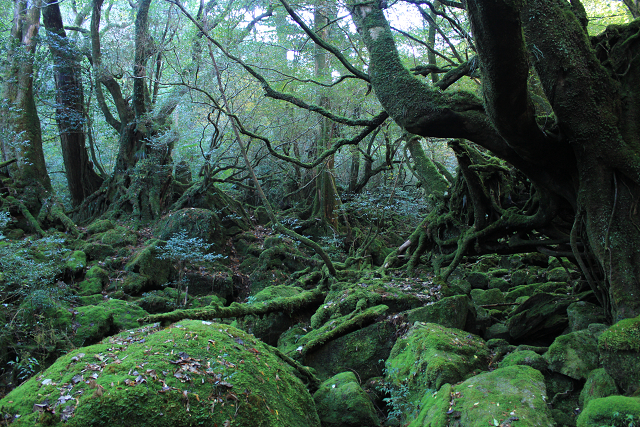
(96, 333)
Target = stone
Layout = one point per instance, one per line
(610, 411)
(599, 384)
(490, 296)
(362, 351)
(542, 317)
(428, 357)
(619, 348)
(581, 314)
(341, 402)
(502, 396)
(478, 280)
(192, 373)
(574, 355)
(450, 312)
(524, 358)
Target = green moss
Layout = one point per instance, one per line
(450, 312)
(431, 355)
(491, 398)
(218, 373)
(574, 354)
(434, 408)
(100, 226)
(91, 324)
(623, 336)
(619, 348)
(490, 296)
(89, 287)
(363, 351)
(147, 262)
(614, 411)
(76, 262)
(525, 358)
(341, 402)
(599, 384)
(118, 237)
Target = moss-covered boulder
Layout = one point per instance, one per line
(581, 314)
(499, 283)
(98, 251)
(341, 402)
(269, 327)
(192, 373)
(558, 274)
(450, 312)
(514, 394)
(477, 280)
(430, 355)
(575, 354)
(100, 226)
(148, 262)
(75, 263)
(95, 279)
(616, 411)
(619, 348)
(118, 237)
(541, 317)
(94, 322)
(524, 358)
(344, 298)
(599, 384)
(363, 351)
(486, 297)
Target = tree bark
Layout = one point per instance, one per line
(22, 137)
(588, 159)
(81, 177)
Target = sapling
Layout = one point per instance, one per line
(185, 251)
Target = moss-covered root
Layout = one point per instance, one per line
(306, 372)
(55, 212)
(339, 327)
(25, 211)
(283, 304)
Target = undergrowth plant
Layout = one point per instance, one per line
(184, 251)
(30, 295)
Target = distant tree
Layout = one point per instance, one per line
(82, 179)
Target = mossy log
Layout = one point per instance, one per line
(25, 212)
(288, 304)
(339, 327)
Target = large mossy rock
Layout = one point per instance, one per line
(148, 262)
(429, 356)
(270, 326)
(599, 384)
(575, 354)
(581, 314)
(611, 411)
(540, 318)
(192, 373)
(619, 348)
(341, 402)
(94, 322)
(450, 312)
(362, 351)
(514, 395)
(502, 396)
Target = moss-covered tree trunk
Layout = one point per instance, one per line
(22, 137)
(81, 177)
(326, 199)
(583, 167)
